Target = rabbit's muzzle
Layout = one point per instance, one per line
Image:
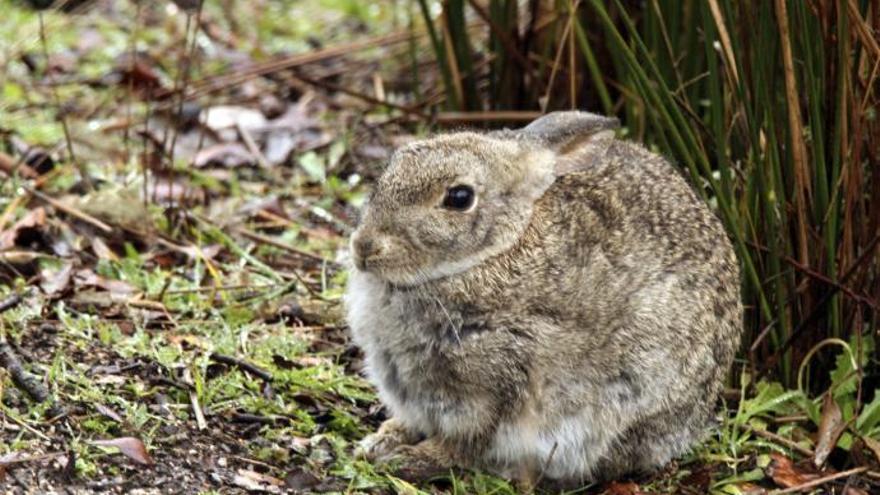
(365, 248)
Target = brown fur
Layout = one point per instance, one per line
(576, 324)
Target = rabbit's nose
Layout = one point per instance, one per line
(364, 247)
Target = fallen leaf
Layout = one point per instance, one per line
(130, 447)
(108, 380)
(747, 489)
(700, 479)
(137, 72)
(55, 282)
(785, 473)
(175, 191)
(622, 488)
(228, 155)
(252, 480)
(874, 445)
(25, 228)
(225, 120)
(12, 458)
(102, 250)
(91, 298)
(301, 481)
(88, 278)
(830, 429)
(850, 490)
(110, 413)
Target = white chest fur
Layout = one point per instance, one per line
(381, 327)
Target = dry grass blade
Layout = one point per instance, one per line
(219, 82)
(724, 37)
(796, 132)
(487, 116)
(85, 217)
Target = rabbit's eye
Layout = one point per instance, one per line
(459, 198)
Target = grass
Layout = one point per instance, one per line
(714, 98)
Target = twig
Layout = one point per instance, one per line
(10, 302)
(12, 166)
(243, 365)
(182, 80)
(21, 378)
(409, 110)
(822, 278)
(546, 465)
(194, 401)
(780, 439)
(816, 311)
(251, 145)
(254, 418)
(216, 83)
(24, 380)
(820, 481)
(284, 247)
(85, 217)
(28, 427)
(195, 290)
(17, 458)
(488, 116)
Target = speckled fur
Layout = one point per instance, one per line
(576, 324)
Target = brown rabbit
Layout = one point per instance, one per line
(546, 302)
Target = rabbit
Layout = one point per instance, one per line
(549, 303)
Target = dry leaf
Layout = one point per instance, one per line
(88, 278)
(626, 488)
(830, 429)
(228, 155)
(56, 282)
(102, 250)
(225, 120)
(137, 72)
(175, 191)
(749, 489)
(785, 473)
(874, 445)
(30, 223)
(129, 447)
(110, 413)
(254, 481)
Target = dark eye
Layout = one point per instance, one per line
(459, 198)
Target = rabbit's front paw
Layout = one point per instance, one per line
(391, 435)
(424, 460)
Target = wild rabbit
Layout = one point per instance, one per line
(548, 302)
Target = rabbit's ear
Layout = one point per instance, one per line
(577, 138)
